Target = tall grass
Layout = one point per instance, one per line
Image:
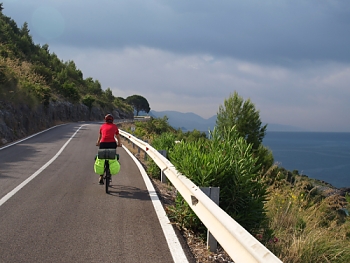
(305, 230)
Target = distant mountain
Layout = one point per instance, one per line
(190, 121)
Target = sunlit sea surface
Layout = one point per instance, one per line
(319, 155)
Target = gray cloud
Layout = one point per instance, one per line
(279, 31)
(291, 58)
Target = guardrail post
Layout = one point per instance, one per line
(133, 131)
(213, 193)
(163, 178)
(145, 157)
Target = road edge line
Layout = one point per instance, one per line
(174, 244)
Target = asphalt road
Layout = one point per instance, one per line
(52, 208)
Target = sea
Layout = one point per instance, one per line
(319, 155)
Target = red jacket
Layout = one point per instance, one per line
(108, 131)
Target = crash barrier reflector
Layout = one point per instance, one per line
(238, 243)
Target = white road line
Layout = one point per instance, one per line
(19, 187)
(174, 245)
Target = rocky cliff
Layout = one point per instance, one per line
(19, 121)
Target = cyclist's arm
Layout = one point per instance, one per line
(98, 140)
(119, 140)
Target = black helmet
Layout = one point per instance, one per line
(109, 118)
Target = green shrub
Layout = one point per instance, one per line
(165, 141)
(41, 93)
(88, 100)
(184, 216)
(69, 91)
(226, 161)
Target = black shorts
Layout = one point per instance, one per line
(108, 145)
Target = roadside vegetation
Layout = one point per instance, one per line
(297, 218)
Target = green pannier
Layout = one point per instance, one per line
(114, 166)
(99, 166)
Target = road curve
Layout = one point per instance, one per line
(61, 214)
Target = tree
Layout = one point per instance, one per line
(88, 100)
(243, 115)
(72, 71)
(93, 86)
(246, 119)
(70, 91)
(24, 31)
(109, 95)
(139, 103)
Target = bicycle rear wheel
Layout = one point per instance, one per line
(106, 184)
(107, 177)
(108, 180)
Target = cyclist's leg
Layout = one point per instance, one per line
(100, 180)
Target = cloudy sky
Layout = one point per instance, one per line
(291, 58)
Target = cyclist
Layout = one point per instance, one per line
(106, 139)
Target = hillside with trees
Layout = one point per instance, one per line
(39, 90)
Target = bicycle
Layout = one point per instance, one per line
(107, 154)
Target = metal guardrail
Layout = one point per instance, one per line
(238, 243)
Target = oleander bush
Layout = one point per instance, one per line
(164, 141)
(225, 160)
